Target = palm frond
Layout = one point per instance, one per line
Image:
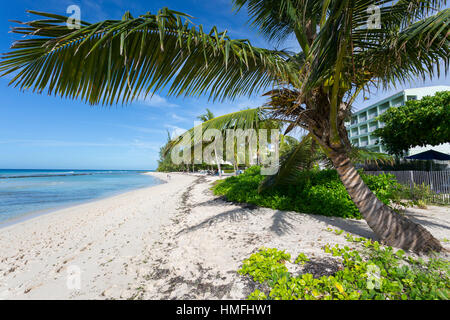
(116, 61)
(302, 157)
(415, 51)
(362, 155)
(279, 19)
(306, 153)
(413, 36)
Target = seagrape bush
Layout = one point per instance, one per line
(316, 192)
(372, 272)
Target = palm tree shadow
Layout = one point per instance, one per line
(221, 200)
(357, 227)
(234, 215)
(422, 219)
(282, 222)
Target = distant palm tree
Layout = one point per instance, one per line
(346, 46)
(206, 116)
(244, 119)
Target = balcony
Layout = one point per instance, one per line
(373, 126)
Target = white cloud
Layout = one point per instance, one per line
(156, 101)
(175, 131)
(142, 144)
(178, 118)
(239, 104)
(251, 103)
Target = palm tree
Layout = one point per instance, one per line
(341, 55)
(208, 115)
(244, 120)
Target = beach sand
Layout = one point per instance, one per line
(171, 241)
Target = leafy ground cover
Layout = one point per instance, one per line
(368, 272)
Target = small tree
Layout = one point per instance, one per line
(417, 123)
(165, 163)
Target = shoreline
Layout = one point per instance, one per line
(98, 238)
(175, 240)
(37, 213)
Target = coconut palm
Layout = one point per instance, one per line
(208, 115)
(342, 53)
(242, 120)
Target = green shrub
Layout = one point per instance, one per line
(266, 264)
(315, 191)
(372, 272)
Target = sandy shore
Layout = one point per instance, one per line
(171, 241)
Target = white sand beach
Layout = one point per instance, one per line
(171, 241)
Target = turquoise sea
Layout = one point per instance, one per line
(25, 193)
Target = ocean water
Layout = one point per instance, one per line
(27, 192)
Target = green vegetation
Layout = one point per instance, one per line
(417, 123)
(314, 191)
(370, 272)
(264, 263)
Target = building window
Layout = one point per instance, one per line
(362, 117)
(409, 98)
(384, 107)
(372, 113)
(397, 102)
(363, 129)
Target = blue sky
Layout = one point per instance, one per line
(41, 131)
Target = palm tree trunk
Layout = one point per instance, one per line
(392, 228)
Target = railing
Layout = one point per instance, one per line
(438, 181)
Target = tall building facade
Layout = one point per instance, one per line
(363, 122)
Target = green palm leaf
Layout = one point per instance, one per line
(120, 60)
(415, 51)
(302, 157)
(306, 154)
